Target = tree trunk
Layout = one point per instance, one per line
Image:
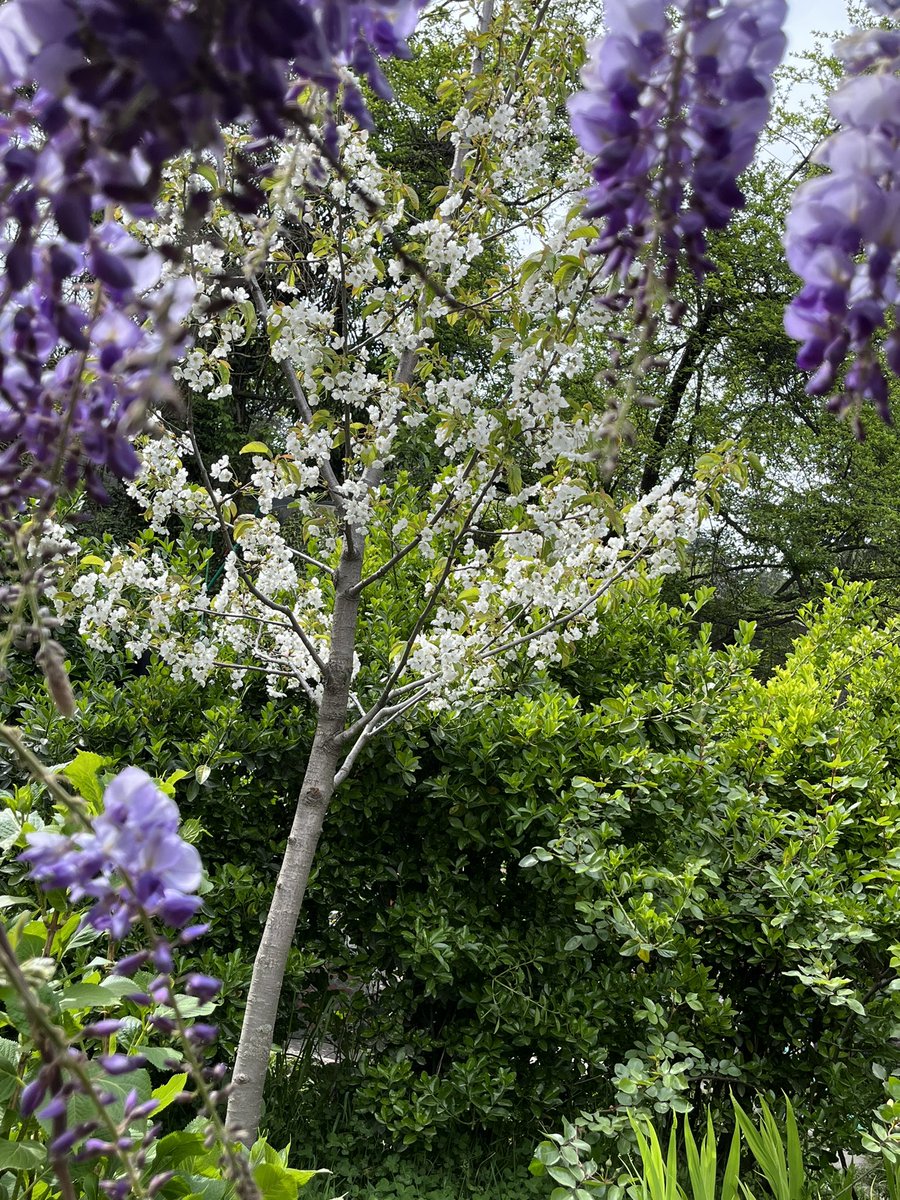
(257, 1031)
(693, 352)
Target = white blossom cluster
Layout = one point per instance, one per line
(516, 133)
(170, 492)
(470, 484)
(530, 588)
(542, 586)
(200, 617)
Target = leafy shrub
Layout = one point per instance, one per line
(635, 887)
(684, 885)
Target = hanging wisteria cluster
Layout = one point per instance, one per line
(671, 114)
(132, 863)
(98, 95)
(133, 866)
(843, 232)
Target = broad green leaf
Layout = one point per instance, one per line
(82, 773)
(10, 1053)
(177, 1148)
(274, 1182)
(162, 1057)
(81, 1108)
(90, 995)
(166, 1093)
(302, 1178)
(10, 828)
(21, 1156)
(207, 172)
(205, 1187)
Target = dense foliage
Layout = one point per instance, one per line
(667, 886)
(646, 883)
(382, 717)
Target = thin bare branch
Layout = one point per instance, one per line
(387, 715)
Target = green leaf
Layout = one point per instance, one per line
(21, 1156)
(162, 1057)
(248, 313)
(177, 1148)
(732, 1167)
(90, 995)
(302, 1178)
(242, 524)
(256, 448)
(205, 171)
(82, 773)
(82, 1108)
(166, 1093)
(189, 1007)
(274, 1182)
(9, 1059)
(563, 1175)
(514, 478)
(206, 1187)
(167, 785)
(10, 828)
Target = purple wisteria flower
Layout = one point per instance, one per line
(134, 862)
(671, 114)
(162, 76)
(843, 233)
(131, 864)
(97, 95)
(77, 379)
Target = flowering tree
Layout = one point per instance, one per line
(446, 511)
(392, 584)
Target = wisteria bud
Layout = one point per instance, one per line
(51, 658)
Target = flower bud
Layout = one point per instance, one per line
(32, 1095)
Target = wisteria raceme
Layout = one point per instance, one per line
(76, 379)
(114, 89)
(134, 862)
(132, 865)
(843, 232)
(156, 78)
(671, 114)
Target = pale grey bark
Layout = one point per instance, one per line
(257, 1031)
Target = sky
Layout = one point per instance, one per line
(805, 16)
